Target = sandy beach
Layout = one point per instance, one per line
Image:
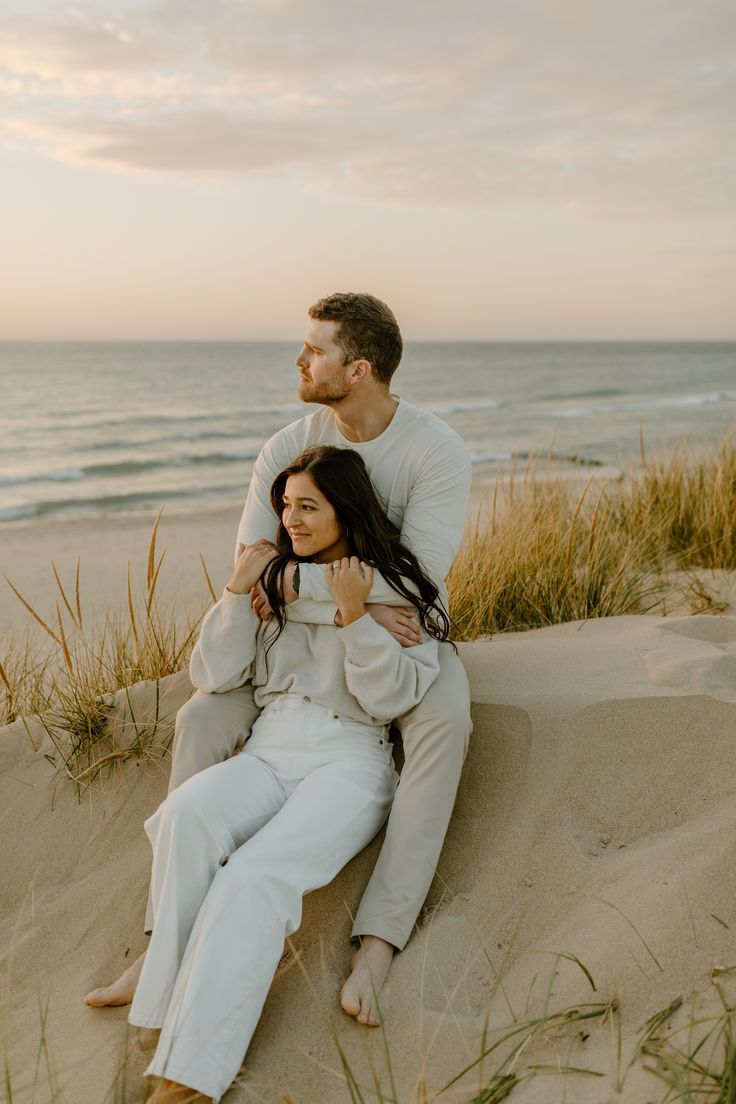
(582, 909)
(586, 882)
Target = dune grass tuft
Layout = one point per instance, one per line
(539, 555)
(69, 676)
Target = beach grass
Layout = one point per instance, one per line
(689, 1053)
(538, 555)
(69, 673)
(535, 554)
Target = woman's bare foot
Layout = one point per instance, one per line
(369, 969)
(121, 991)
(171, 1092)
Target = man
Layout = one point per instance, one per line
(421, 469)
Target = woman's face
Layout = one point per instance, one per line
(311, 522)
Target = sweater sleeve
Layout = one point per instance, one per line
(223, 656)
(313, 584)
(258, 521)
(435, 515)
(386, 679)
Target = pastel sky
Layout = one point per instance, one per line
(493, 169)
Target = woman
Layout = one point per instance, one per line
(237, 846)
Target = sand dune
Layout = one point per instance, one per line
(596, 819)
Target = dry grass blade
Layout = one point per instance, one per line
(210, 587)
(37, 617)
(77, 594)
(131, 612)
(5, 680)
(150, 567)
(497, 1090)
(64, 646)
(64, 598)
(636, 931)
(152, 585)
(573, 520)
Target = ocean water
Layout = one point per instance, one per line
(94, 429)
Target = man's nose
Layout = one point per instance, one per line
(300, 361)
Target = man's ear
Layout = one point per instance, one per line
(361, 369)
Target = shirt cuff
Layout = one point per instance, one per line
(237, 605)
(364, 631)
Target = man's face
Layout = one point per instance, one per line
(323, 378)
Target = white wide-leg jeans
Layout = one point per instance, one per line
(234, 850)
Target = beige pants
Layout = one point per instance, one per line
(435, 736)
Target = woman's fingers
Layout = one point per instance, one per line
(348, 564)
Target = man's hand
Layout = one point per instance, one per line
(260, 604)
(400, 621)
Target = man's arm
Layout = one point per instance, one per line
(258, 521)
(436, 513)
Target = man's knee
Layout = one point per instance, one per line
(196, 712)
(443, 714)
(220, 714)
(442, 727)
(208, 729)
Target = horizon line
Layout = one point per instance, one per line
(407, 340)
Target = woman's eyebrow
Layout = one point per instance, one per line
(302, 499)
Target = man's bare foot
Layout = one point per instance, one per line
(121, 991)
(369, 969)
(171, 1092)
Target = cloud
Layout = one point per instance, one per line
(624, 110)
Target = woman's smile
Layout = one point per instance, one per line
(304, 503)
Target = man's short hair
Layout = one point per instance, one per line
(367, 330)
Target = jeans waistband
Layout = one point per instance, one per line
(303, 702)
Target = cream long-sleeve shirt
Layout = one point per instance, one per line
(360, 672)
(421, 471)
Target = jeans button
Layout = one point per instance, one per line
(307, 700)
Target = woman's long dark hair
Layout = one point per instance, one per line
(341, 476)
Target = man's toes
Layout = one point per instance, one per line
(106, 998)
(367, 1014)
(97, 998)
(350, 1002)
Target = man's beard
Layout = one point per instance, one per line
(330, 391)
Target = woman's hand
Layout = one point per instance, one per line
(350, 581)
(249, 566)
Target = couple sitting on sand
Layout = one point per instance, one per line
(332, 626)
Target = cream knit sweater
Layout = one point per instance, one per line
(360, 671)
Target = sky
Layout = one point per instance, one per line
(493, 169)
